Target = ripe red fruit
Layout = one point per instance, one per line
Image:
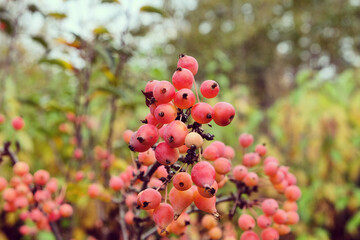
(66, 210)
(180, 200)
(127, 135)
(94, 190)
(203, 174)
(215, 233)
(251, 159)
(260, 149)
(182, 78)
(21, 168)
(18, 123)
(165, 113)
(149, 199)
(251, 179)
(166, 155)
(151, 119)
(193, 139)
(208, 192)
(182, 181)
(240, 172)
(220, 147)
(116, 183)
(202, 112)
(209, 89)
(223, 113)
(205, 204)
(146, 136)
(149, 87)
(246, 222)
(163, 215)
(211, 153)
(175, 134)
(293, 193)
(164, 92)
(41, 177)
(245, 140)
(3, 183)
(188, 62)
(269, 234)
(280, 216)
(249, 235)
(9, 194)
(271, 168)
(78, 153)
(229, 152)
(292, 218)
(222, 165)
(184, 99)
(263, 221)
(269, 206)
(147, 158)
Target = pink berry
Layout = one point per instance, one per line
(94, 190)
(184, 98)
(264, 221)
(269, 206)
(3, 183)
(251, 159)
(166, 155)
(188, 62)
(66, 210)
(271, 168)
(165, 113)
(150, 85)
(249, 235)
(41, 177)
(280, 216)
(246, 222)
(269, 234)
(164, 92)
(240, 172)
(293, 193)
(251, 179)
(202, 113)
(209, 89)
(246, 140)
(260, 149)
(21, 168)
(116, 183)
(182, 78)
(18, 123)
(223, 113)
(203, 174)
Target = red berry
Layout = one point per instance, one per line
(116, 183)
(66, 210)
(182, 78)
(223, 113)
(203, 174)
(150, 85)
(146, 136)
(202, 113)
(269, 206)
(149, 199)
(184, 99)
(175, 134)
(165, 113)
(209, 89)
(188, 62)
(246, 222)
(2, 118)
(260, 149)
(166, 155)
(18, 123)
(246, 140)
(164, 92)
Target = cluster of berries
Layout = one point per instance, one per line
(35, 197)
(17, 122)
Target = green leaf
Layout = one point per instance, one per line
(43, 235)
(353, 224)
(39, 39)
(151, 9)
(57, 15)
(59, 62)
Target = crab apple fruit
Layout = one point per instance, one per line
(182, 181)
(240, 172)
(202, 112)
(183, 78)
(208, 192)
(147, 158)
(280, 216)
(150, 119)
(246, 222)
(209, 221)
(18, 123)
(129, 217)
(229, 152)
(222, 165)
(251, 179)
(180, 200)
(203, 174)
(193, 139)
(269, 234)
(223, 113)
(292, 218)
(146, 136)
(3, 183)
(205, 204)
(166, 155)
(249, 235)
(52, 185)
(66, 210)
(211, 153)
(149, 87)
(209, 89)
(251, 159)
(290, 206)
(215, 233)
(291, 179)
(21, 168)
(163, 215)
(245, 140)
(270, 159)
(41, 177)
(277, 177)
(269, 206)
(78, 153)
(183, 149)
(220, 147)
(9, 194)
(282, 229)
(175, 134)
(293, 193)
(271, 168)
(261, 149)
(188, 62)
(165, 113)
(149, 199)
(184, 98)
(263, 221)
(116, 183)
(94, 190)
(164, 92)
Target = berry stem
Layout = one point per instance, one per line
(196, 90)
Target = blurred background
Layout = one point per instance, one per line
(290, 68)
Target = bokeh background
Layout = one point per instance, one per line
(290, 68)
